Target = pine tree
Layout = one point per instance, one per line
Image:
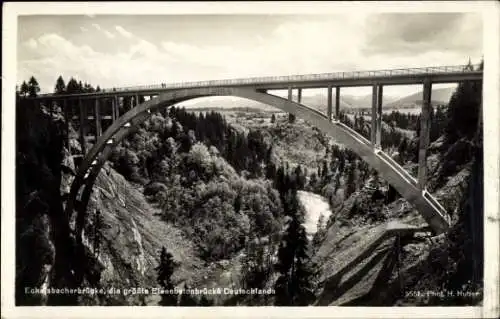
(271, 171)
(98, 223)
(375, 180)
(350, 183)
(256, 271)
(336, 183)
(300, 177)
(273, 118)
(392, 194)
(313, 181)
(324, 171)
(72, 86)
(60, 86)
(33, 87)
(165, 271)
(24, 90)
(320, 231)
(463, 111)
(294, 286)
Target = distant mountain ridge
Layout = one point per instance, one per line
(318, 101)
(438, 96)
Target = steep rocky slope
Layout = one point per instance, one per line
(41, 229)
(130, 236)
(391, 272)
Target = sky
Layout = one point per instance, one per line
(127, 50)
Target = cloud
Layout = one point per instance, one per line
(31, 43)
(296, 46)
(415, 33)
(83, 29)
(142, 63)
(109, 34)
(123, 32)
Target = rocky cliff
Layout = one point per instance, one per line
(377, 254)
(42, 232)
(124, 235)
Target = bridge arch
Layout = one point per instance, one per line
(388, 169)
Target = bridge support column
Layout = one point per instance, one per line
(299, 95)
(67, 118)
(117, 107)
(337, 103)
(329, 103)
(83, 117)
(374, 115)
(424, 134)
(290, 95)
(380, 100)
(113, 106)
(98, 128)
(136, 100)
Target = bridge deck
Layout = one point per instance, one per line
(439, 74)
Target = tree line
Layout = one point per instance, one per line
(32, 87)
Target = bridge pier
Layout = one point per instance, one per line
(380, 99)
(98, 128)
(374, 116)
(329, 105)
(117, 107)
(83, 116)
(424, 134)
(337, 103)
(67, 118)
(290, 95)
(113, 112)
(299, 95)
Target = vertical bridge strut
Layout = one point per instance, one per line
(380, 99)
(374, 116)
(83, 123)
(329, 106)
(337, 103)
(98, 129)
(424, 134)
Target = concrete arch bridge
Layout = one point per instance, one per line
(92, 114)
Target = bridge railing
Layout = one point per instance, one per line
(299, 78)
